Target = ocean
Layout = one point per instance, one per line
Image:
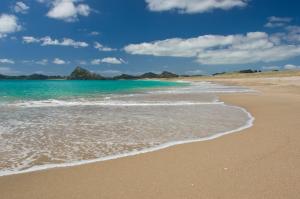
(57, 123)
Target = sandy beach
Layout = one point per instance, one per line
(260, 162)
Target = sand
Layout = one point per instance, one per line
(260, 162)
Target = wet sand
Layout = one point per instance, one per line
(260, 162)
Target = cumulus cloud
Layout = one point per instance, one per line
(177, 47)
(96, 61)
(100, 47)
(291, 35)
(83, 10)
(112, 60)
(194, 6)
(48, 41)
(21, 7)
(291, 67)
(59, 61)
(108, 60)
(252, 47)
(8, 24)
(6, 61)
(274, 22)
(68, 10)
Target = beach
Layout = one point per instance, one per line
(259, 162)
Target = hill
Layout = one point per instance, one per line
(83, 74)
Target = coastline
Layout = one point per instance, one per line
(57, 103)
(248, 124)
(204, 169)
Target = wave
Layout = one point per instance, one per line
(136, 100)
(205, 87)
(57, 103)
(248, 124)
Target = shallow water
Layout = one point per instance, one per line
(39, 133)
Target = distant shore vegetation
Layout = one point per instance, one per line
(80, 73)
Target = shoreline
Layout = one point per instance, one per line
(258, 162)
(248, 124)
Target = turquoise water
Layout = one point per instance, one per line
(61, 89)
(47, 124)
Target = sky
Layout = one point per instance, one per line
(111, 37)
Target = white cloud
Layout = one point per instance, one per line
(71, 42)
(100, 47)
(293, 33)
(42, 62)
(108, 60)
(21, 7)
(68, 10)
(48, 41)
(280, 19)
(8, 24)
(59, 61)
(291, 67)
(177, 47)
(83, 10)
(94, 33)
(194, 6)
(30, 39)
(96, 61)
(39, 62)
(217, 49)
(112, 60)
(236, 56)
(274, 22)
(6, 61)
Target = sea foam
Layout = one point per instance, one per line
(43, 134)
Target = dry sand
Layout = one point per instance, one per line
(260, 162)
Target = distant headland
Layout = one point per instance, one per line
(80, 73)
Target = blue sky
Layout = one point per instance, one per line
(136, 36)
